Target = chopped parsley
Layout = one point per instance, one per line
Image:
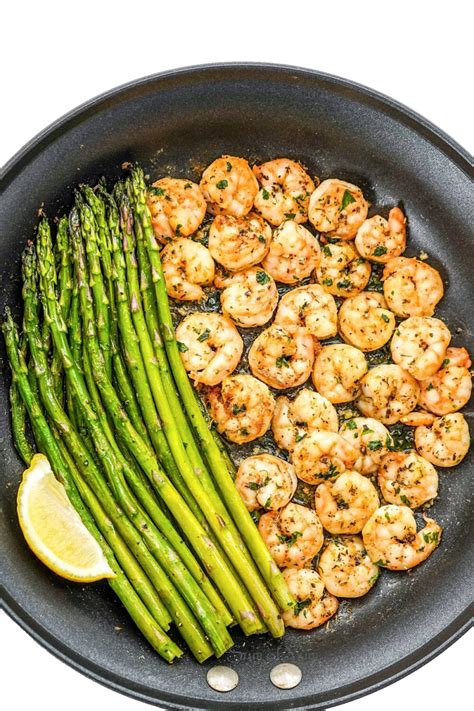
(237, 409)
(385, 318)
(327, 282)
(261, 239)
(445, 363)
(380, 250)
(204, 335)
(351, 425)
(157, 191)
(431, 537)
(300, 606)
(375, 445)
(299, 437)
(254, 486)
(344, 284)
(290, 540)
(290, 215)
(347, 198)
(265, 194)
(282, 361)
(262, 277)
(228, 166)
(222, 184)
(182, 347)
(327, 251)
(405, 500)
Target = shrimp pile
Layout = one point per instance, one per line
(312, 339)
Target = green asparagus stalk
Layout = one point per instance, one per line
(234, 503)
(48, 443)
(64, 293)
(204, 548)
(101, 302)
(124, 387)
(114, 466)
(18, 417)
(206, 497)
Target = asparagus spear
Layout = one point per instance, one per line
(101, 302)
(64, 293)
(124, 387)
(18, 416)
(205, 549)
(205, 496)
(48, 443)
(114, 465)
(241, 516)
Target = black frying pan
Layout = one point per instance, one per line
(175, 123)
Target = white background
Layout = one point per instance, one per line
(57, 55)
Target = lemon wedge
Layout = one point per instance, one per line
(54, 530)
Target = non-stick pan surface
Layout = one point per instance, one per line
(176, 123)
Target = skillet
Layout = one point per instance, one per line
(177, 122)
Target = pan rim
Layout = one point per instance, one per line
(429, 131)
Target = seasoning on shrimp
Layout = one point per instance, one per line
(321, 456)
(379, 240)
(229, 186)
(177, 208)
(187, 267)
(445, 442)
(285, 192)
(345, 567)
(341, 270)
(346, 504)
(239, 242)
(392, 541)
(242, 408)
(406, 478)
(210, 347)
(266, 481)
(337, 373)
(281, 359)
(249, 297)
(387, 393)
(371, 439)
(419, 345)
(308, 307)
(294, 419)
(449, 389)
(337, 208)
(314, 604)
(365, 322)
(293, 535)
(411, 287)
(293, 254)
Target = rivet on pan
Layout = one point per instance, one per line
(222, 678)
(286, 676)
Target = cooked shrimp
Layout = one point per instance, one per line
(346, 569)
(322, 455)
(365, 322)
(308, 307)
(314, 604)
(229, 186)
(338, 370)
(417, 417)
(242, 407)
(411, 287)
(346, 504)
(293, 254)
(187, 267)
(286, 188)
(379, 239)
(447, 390)
(337, 208)
(282, 359)
(407, 479)
(391, 539)
(370, 438)
(239, 242)
(265, 481)
(419, 345)
(177, 208)
(446, 442)
(293, 535)
(388, 393)
(294, 419)
(249, 297)
(341, 270)
(210, 347)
